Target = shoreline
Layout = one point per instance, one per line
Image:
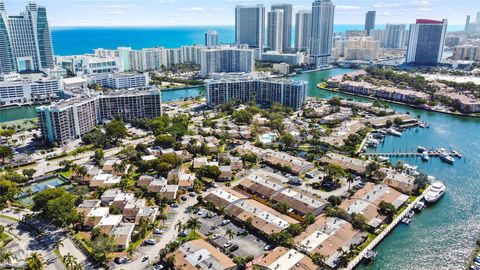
(397, 102)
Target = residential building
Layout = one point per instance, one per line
(287, 10)
(466, 52)
(275, 30)
(246, 88)
(370, 20)
(288, 58)
(353, 165)
(211, 38)
(25, 41)
(361, 48)
(395, 35)
(121, 80)
(399, 180)
(79, 65)
(384, 92)
(285, 259)
(122, 235)
(323, 12)
(303, 29)
(427, 40)
(199, 254)
(69, 119)
(467, 24)
(288, 163)
(18, 90)
(379, 35)
(227, 60)
(250, 27)
(330, 237)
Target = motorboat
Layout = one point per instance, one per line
(383, 159)
(421, 149)
(425, 157)
(457, 154)
(436, 191)
(419, 206)
(447, 158)
(394, 132)
(370, 255)
(406, 220)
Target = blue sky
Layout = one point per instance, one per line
(221, 12)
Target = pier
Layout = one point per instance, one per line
(352, 264)
(395, 154)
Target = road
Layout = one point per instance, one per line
(170, 234)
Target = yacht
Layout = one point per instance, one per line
(447, 158)
(435, 192)
(425, 157)
(394, 132)
(421, 149)
(383, 159)
(457, 154)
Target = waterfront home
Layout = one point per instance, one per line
(199, 254)
(122, 235)
(329, 237)
(366, 200)
(282, 258)
(383, 92)
(340, 134)
(383, 122)
(398, 180)
(465, 103)
(356, 166)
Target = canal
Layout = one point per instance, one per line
(442, 236)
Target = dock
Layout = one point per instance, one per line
(394, 154)
(352, 264)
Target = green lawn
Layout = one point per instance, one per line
(370, 238)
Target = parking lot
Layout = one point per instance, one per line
(247, 244)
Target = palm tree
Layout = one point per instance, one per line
(194, 224)
(5, 255)
(34, 261)
(58, 244)
(230, 234)
(69, 261)
(82, 171)
(170, 260)
(118, 167)
(350, 180)
(179, 225)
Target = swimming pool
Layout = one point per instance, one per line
(28, 191)
(267, 138)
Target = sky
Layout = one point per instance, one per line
(221, 12)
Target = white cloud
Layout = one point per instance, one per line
(197, 9)
(387, 5)
(346, 7)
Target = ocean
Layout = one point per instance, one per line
(80, 40)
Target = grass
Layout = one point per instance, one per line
(191, 236)
(81, 149)
(80, 236)
(66, 174)
(370, 238)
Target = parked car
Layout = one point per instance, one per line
(215, 236)
(211, 214)
(233, 248)
(225, 222)
(192, 194)
(201, 212)
(182, 234)
(158, 231)
(121, 260)
(183, 198)
(151, 242)
(242, 232)
(267, 247)
(227, 244)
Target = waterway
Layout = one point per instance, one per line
(442, 236)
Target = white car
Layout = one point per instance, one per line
(227, 244)
(151, 242)
(215, 236)
(225, 222)
(158, 231)
(201, 212)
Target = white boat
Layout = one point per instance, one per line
(425, 157)
(421, 149)
(436, 191)
(383, 159)
(447, 158)
(394, 132)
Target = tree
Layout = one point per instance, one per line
(98, 155)
(193, 224)
(81, 171)
(387, 209)
(242, 117)
(102, 245)
(421, 180)
(8, 191)
(334, 200)
(309, 219)
(230, 234)
(179, 226)
(170, 261)
(398, 121)
(66, 164)
(359, 222)
(165, 141)
(334, 173)
(5, 255)
(14, 177)
(115, 130)
(371, 168)
(29, 172)
(350, 180)
(34, 261)
(288, 139)
(119, 167)
(335, 101)
(5, 153)
(57, 205)
(209, 171)
(70, 261)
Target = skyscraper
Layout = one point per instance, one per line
(25, 42)
(287, 24)
(427, 39)
(250, 26)
(303, 28)
(211, 38)
(370, 20)
(467, 24)
(395, 36)
(275, 30)
(323, 12)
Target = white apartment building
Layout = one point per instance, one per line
(121, 80)
(80, 65)
(16, 90)
(227, 60)
(303, 29)
(361, 48)
(275, 30)
(323, 12)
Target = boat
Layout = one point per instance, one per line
(436, 191)
(406, 220)
(410, 214)
(457, 154)
(419, 206)
(370, 255)
(394, 132)
(383, 159)
(447, 158)
(421, 149)
(425, 157)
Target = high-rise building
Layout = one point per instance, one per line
(227, 60)
(478, 18)
(17, 90)
(303, 28)
(211, 38)
(287, 24)
(275, 30)
(25, 42)
(395, 36)
(426, 43)
(370, 20)
(466, 52)
(361, 48)
(467, 24)
(250, 27)
(68, 120)
(323, 12)
(247, 88)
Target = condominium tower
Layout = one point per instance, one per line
(211, 39)
(275, 30)
(227, 60)
(303, 28)
(427, 40)
(25, 42)
(395, 35)
(287, 24)
(247, 88)
(321, 42)
(250, 27)
(370, 20)
(68, 120)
